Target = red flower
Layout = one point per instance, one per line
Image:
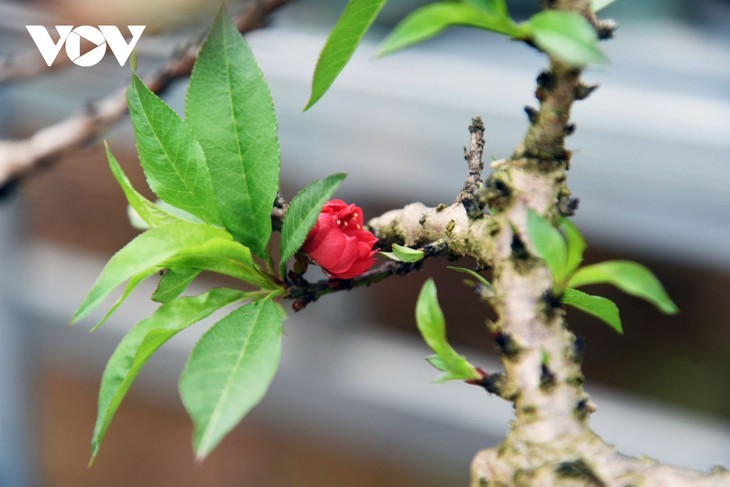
(338, 243)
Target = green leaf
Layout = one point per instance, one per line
(473, 274)
(230, 370)
(597, 5)
(431, 20)
(142, 341)
(179, 215)
(352, 25)
(431, 324)
(146, 253)
(150, 213)
(224, 257)
(494, 7)
(407, 254)
(173, 283)
(230, 109)
(548, 243)
(438, 363)
(630, 277)
(576, 245)
(567, 36)
(302, 214)
(131, 285)
(404, 254)
(602, 308)
(172, 159)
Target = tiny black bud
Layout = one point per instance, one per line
(606, 29)
(551, 299)
(569, 129)
(579, 345)
(531, 114)
(547, 378)
(546, 80)
(519, 251)
(505, 344)
(567, 205)
(583, 91)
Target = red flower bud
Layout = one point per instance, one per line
(338, 243)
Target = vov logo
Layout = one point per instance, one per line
(71, 37)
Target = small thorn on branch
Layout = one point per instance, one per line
(532, 114)
(583, 91)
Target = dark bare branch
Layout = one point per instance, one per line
(18, 158)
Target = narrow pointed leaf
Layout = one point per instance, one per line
(230, 370)
(173, 283)
(407, 254)
(151, 214)
(404, 254)
(431, 20)
(147, 252)
(131, 285)
(576, 245)
(600, 307)
(438, 363)
(171, 157)
(567, 36)
(432, 325)
(302, 214)
(549, 244)
(224, 257)
(352, 25)
(473, 274)
(631, 277)
(142, 341)
(230, 109)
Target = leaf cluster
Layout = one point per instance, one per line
(562, 251)
(567, 36)
(216, 174)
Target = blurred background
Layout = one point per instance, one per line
(353, 403)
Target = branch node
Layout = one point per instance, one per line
(532, 114)
(605, 29)
(583, 91)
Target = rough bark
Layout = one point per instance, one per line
(550, 442)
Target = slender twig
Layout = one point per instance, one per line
(27, 65)
(304, 292)
(473, 156)
(19, 158)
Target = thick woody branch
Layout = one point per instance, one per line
(460, 228)
(19, 158)
(550, 442)
(417, 225)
